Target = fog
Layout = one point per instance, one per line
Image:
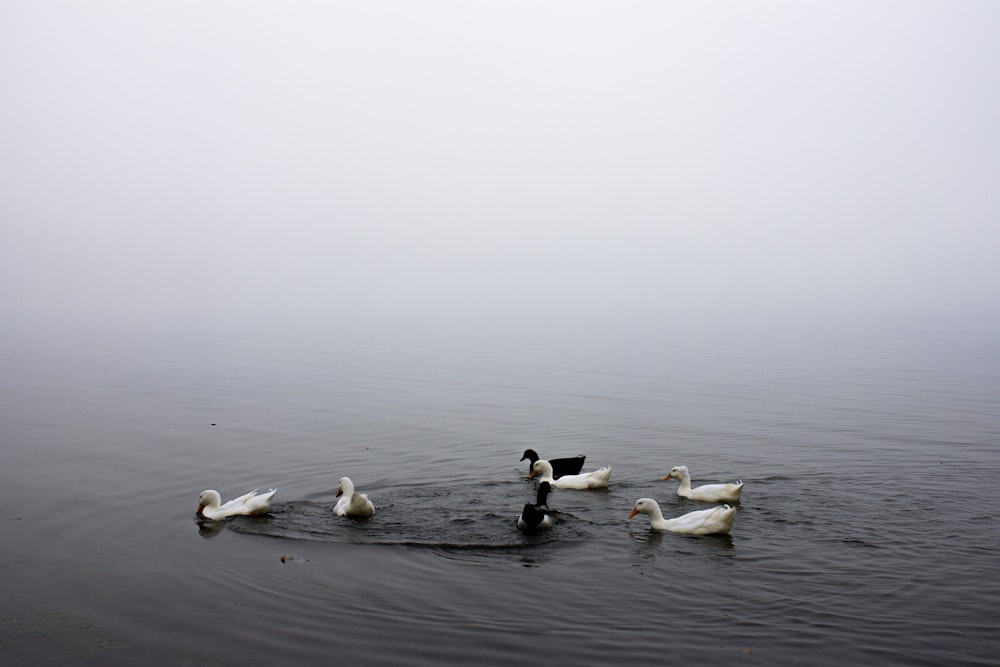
(326, 164)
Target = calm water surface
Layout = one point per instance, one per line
(868, 529)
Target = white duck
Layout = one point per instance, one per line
(714, 521)
(598, 479)
(210, 504)
(352, 503)
(709, 493)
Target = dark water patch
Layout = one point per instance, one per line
(29, 636)
(38, 636)
(852, 542)
(425, 519)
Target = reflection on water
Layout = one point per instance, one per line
(210, 528)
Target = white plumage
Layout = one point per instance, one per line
(713, 521)
(210, 504)
(351, 502)
(587, 480)
(709, 493)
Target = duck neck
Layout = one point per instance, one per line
(656, 518)
(685, 486)
(545, 474)
(210, 508)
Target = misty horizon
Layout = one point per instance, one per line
(328, 164)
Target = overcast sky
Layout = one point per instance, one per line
(324, 161)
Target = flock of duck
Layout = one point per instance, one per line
(564, 473)
(559, 473)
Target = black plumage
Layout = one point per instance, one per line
(537, 516)
(569, 465)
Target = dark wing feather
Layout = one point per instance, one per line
(570, 465)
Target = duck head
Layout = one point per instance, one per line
(208, 499)
(540, 467)
(643, 506)
(345, 486)
(678, 473)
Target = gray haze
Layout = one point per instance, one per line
(539, 162)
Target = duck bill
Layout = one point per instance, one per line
(531, 475)
(634, 512)
(666, 478)
(200, 511)
(339, 493)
